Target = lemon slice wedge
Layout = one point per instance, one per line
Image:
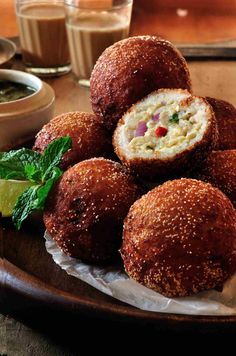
(10, 190)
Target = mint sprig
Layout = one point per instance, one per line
(26, 203)
(42, 170)
(13, 163)
(52, 155)
(33, 198)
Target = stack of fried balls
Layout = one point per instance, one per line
(178, 238)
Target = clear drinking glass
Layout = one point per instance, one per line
(92, 26)
(43, 36)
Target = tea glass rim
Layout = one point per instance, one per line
(76, 4)
(39, 1)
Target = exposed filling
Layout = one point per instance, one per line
(163, 125)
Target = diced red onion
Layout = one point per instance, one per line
(163, 102)
(156, 117)
(141, 129)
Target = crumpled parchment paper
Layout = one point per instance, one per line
(114, 281)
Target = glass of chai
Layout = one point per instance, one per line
(92, 26)
(43, 36)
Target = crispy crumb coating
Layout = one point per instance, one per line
(89, 137)
(180, 238)
(85, 211)
(225, 114)
(132, 68)
(219, 169)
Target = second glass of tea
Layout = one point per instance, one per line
(92, 26)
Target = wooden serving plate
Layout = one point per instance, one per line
(29, 278)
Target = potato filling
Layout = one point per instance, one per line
(161, 126)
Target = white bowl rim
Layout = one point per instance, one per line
(18, 76)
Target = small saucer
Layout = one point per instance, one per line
(7, 51)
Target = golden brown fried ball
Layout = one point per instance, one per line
(132, 68)
(225, 114)
(89, 137)
(85, 211)
(190, 134)
(180, 238)
(219, 169)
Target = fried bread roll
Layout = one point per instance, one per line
(167, 132)
(180, 238)
(85, 210)
(225, 114)
(219, 169)
(89, 137)
(132, 68)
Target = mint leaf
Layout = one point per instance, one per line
(12, 163)
(174, 118)
(43, 191)
(7, 173)
(40, 169)
(22, 156)
(24, 206)
(33, 198)
(51, 157)
(33, 174)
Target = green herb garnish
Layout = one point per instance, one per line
(174, 118)
(40, 169)
(13, 164)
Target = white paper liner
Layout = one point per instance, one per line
(114, 281)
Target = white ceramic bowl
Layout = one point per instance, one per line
(21, 119)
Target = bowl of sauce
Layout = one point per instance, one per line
(10, 91)
(26, 104)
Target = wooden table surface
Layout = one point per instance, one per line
(209, 78)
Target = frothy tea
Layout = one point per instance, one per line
(89, 34)
(43, 35)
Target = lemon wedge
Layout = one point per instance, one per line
(10, 190)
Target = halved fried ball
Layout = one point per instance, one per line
(180, 238)
(168, 132)
(219, 169)
(89, 137)
(225, 114)
(85, 211)
(129, 70)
